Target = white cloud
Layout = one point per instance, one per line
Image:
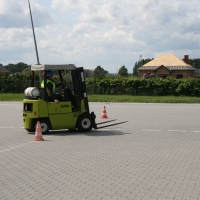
(16, 14)
(90, 33)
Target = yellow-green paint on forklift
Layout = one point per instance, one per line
(33, 110)
(59, 115)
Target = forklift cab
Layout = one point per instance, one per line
(77, 79)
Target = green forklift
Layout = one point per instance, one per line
(57, 116)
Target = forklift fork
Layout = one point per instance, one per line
(95, 127)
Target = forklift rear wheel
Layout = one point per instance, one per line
(85, 123)
(44, 126)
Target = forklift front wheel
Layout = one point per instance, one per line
(44, 126)
(85, 123)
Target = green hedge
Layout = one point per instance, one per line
(16, 83)
(141, 86)
(115, 85)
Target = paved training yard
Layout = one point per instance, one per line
(156, 155)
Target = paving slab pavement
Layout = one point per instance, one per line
(155, 155)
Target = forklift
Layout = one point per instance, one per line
(52, 115)
(57, 116)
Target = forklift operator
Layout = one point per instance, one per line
(51, 88)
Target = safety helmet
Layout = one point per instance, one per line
(49, 73)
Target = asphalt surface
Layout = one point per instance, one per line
(155, 155)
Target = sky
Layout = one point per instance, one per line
(109, 33)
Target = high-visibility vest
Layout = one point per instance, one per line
(54, 86)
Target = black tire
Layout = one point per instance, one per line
(45, 126)
(30, 130)
(85, 123)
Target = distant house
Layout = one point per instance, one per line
(167, 65)
(2, 69)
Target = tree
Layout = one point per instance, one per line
(139, 64)
(19, 67)
(123, 71)
(26, 71)
(135, 68)
(195, 62)
(100, 72)
(10, 67)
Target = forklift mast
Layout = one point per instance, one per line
(78, 79)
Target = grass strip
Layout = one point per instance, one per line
(117, 98)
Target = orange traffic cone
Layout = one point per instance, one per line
(38, 133)
(104, 115)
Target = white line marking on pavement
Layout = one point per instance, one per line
(177, 130)
(2, 151)
(149, 130)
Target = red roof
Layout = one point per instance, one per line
(2, 69)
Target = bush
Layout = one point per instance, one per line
(141, 86)
(15, 83)
(114, 85)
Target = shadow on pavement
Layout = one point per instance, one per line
(91, 133)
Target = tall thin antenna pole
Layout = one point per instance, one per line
(38, 62)
(140, 61)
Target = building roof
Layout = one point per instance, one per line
(170, 61)
(3, 69)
